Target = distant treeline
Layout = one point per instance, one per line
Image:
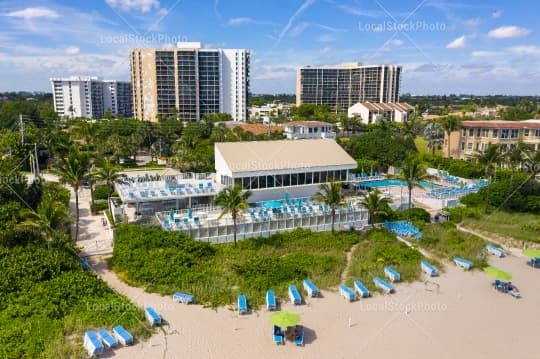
(464, 99)
(25, 95)
(263, 99)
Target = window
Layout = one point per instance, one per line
(495, 133)
(238, 181)
(278, 180)
(262, 181)
(485, 132)
(526, 132)
(514, 133)
(301, 179)
(537, 133)
(471, 132)
(316, 178)
(504, 133)
(254, 182)
(463, 132)
(477, 132)
(324, 177)
(286, 178)
(294, 179)
(309, 178)
(245, 182)
(469, 145)
(462, 146)
(269, 181)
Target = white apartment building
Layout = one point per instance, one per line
(90, 97)
(370, 112)
(189, 82)
(301, 130)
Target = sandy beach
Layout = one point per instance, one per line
(455, 315)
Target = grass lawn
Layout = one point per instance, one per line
(379, 248)
(445, 241)
(518, 226)
(167, 262)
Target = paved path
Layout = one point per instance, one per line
(514, 251)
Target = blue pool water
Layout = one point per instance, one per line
(396, 182)
(272, 204)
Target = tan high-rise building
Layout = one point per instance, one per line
(342, 86)
(189, 82)
(475, 136)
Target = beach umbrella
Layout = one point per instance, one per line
(284, 319)
(190, 213)
(171, 214)
(497, 273)
(531, 252)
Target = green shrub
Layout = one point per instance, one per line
(100, 192)
(99, 205)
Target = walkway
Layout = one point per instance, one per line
(515, 251)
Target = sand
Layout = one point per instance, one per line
(455, 315)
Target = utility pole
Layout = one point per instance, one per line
(37, 160)
(21, 127)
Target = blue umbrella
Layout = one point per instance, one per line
(171, 214)
(190, 213)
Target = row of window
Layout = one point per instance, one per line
(286, 180)
(483, 146)
(502, 133)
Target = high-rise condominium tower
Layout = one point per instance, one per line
(91, 97)
(344, 85)
(188, 82)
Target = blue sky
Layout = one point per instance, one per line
(480, 47)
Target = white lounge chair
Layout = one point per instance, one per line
(361, 289)
(392, 274)
(347, 293)
(271, 300)
(428, 269)
(381, 284)
(310, 288)
(294, 295)
(463, 263)
(152, 316)
(92, 344)
(123, 336)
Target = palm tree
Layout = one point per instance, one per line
(84, 131)
(109, 173)
(232, 201)
(412, 172)
(489, 159)
(531, 160)
(513, 158)
(73, 170)
(51, 215)
(450, 124)
(330, 194)
(434, 135)
(375, 204)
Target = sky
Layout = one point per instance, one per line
(445, 47)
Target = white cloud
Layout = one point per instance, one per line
(305, 5)
(473, 22)
(72, 50)
(482, 53)
(237, 21)
(508, 32)
(496, 14)
(525, 50)
(138, 5)
(33, 13)
(326, 50)
(458, 43)
(326, 38)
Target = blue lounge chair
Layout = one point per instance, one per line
(392, 274)
(463, 263)
(299, 340)
(310, 288)
(428, 269)
(271, 300)
(381, 284)
(278, 336)
(361, 289)
(92, 344)
(296, 299)
(107, 338)
(242, 304)
(183, 298)
(347, 293)
(152, 316)
(499, 252)
(123, 336)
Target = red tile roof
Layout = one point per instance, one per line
(501, 124)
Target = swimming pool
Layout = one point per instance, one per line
(397, 183)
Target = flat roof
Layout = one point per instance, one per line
(306, 124)
(501, 124)
(255, 156)
(388, 106)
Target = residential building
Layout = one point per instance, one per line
(271, 168)
(90, 97)
(301, 130)
(342, 86)
(475, 136)
(189, 81)
(370, 112)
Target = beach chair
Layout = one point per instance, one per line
(92, 344)
(107, 339)
(242, 304)
(294, 295)
(179, 297)
(463, 263)
(270, 300)
(278, 336)
(347, 293)
(384, 286)
(123, 336)
(391, 274)
(428, 269)
(299, 340)
(499, 252)
(152, 316)
(361, 289)
(310, 288)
